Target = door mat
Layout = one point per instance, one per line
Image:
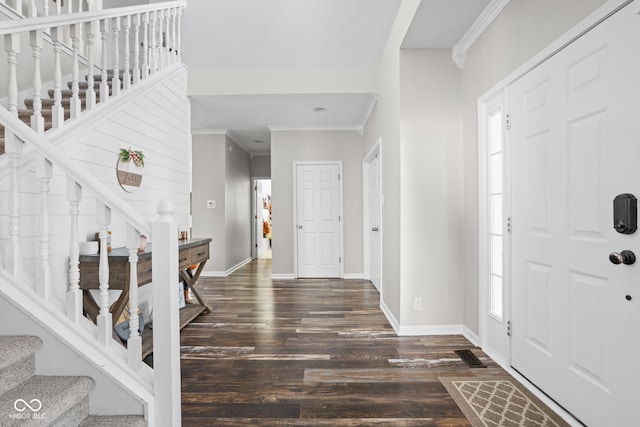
(500, 402)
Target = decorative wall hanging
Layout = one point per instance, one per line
(129, 169)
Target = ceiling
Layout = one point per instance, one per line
(257, 34)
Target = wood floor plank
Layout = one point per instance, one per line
(312, 353)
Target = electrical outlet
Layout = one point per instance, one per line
(417, 304)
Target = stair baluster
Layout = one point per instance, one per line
(57, 111)
(163, 42)
(172, 51)
(13, 148)
(45, 7)
(90, 34)
(104, 86)
(126, 74)
(33, 9)
(115, 80)
(59, 8)
(104, 321)
(136, 48)
(37, 121)
(12, 47)
(153, 61)
(145, 45)
(44, 170)
(179, 37)
(74, 294)
(134, 344)
(75, 102)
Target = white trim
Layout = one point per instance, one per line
(228, 271)
(283, 277)
(206, 131)
(373, 100)
(375, 149)
(486, 18)
(390, 317)
(295, 213)
(470, 335)
(329, 128)
(353, 276)
(417, 330)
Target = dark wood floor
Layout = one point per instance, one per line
(312, 353)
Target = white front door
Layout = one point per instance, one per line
(575, 129)
(495, 243)
(373, 214)
(318, 220)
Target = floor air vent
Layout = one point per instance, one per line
(470, 359)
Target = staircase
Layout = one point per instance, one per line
(47, 186)
(25, 114)
(27, 399)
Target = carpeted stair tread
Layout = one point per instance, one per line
(114, 421)
(17, 357)
(47, 103)
(64, 400)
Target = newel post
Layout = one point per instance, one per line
(166, 328)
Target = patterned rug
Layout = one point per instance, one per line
(500, 403)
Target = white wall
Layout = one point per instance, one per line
(209, 184)
(431, 188)
(384, 123)
(261, 167)
(223, 176)
(288, 147)
(520, 31)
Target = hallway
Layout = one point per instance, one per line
(309, 353)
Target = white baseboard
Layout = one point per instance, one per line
(413, 330)
(227, 272)
(390, 317)
(471, 336)
(282, 277)
(353, 276)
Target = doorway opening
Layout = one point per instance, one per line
(263, 230)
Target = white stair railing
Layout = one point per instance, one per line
(151, 37)
(166, 377)
(160, 47)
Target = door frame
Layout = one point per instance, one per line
(295, 211)
(588, 23)
(375, 149)
(254, 213)
(484, 221)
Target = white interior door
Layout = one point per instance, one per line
(574, 138)
(318, 220)
(373, 229)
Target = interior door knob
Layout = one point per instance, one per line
(624, 257)
(374, 229)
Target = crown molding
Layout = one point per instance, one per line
(209, 131)
(485, 19)
(331, 128)
(373, 99)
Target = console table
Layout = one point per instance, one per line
(191, 252)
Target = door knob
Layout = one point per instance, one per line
(624, 257)
(300, 227)
(374, 229)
